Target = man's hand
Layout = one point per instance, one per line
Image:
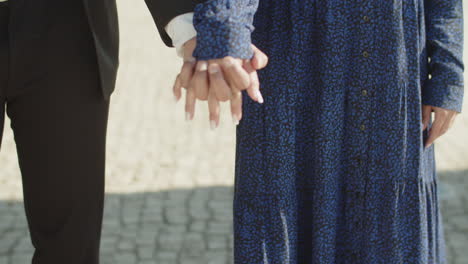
(443, 121)
(219, 80)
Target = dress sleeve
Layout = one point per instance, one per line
(224, 28)
(444, 33)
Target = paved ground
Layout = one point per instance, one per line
(169, 183)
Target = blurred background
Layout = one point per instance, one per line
(169, 182)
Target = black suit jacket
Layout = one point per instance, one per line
(102, 15)
(31, 20)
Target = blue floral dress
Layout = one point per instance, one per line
(332, 167)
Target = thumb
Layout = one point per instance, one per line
(259, 59)
(426, 116)
(188, 48)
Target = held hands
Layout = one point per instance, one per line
(218, 80)
(443, 121)
(222, 80)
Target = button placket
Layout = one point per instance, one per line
(363, 128)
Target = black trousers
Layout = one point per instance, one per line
(59, 119)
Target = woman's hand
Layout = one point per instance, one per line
(228, 77)
(443, 121)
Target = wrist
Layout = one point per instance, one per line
(181, 30)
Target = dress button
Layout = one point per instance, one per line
(366, 18)
(363, 127)
(357, 224)
(359, 160)
(365, 54)
(364, 92)
(357, 195)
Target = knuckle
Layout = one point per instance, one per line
(216, 76)
(222, 97)
(255, 82)
(246, 83)
(187, 67)
(202, 96)
(185, 82)
(228, 61)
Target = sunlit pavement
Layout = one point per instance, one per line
(169, 182)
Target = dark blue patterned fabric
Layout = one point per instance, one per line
(444, 20)
(332, 168)
(233, 23)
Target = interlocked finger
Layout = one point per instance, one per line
(236, 107)
(218, 84)
(199, 81)
(235, 74)
(214, 109)
(186, 73)
(177, 88)
(190, 101)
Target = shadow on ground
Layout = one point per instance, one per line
(195, 225)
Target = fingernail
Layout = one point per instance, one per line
(212, 124)
(191, 59)
(213, 69)
(187, 116)
(235, 120)
(228, 63)
(203, 67)
(176, 99)
(259, 97)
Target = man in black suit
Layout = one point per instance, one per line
(58, 65)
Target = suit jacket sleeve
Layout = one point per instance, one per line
(164, 11)
(224, 28)
(444, 39)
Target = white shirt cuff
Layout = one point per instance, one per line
(181, 30)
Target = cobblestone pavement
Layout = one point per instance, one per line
(169, 183)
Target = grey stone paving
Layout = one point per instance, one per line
(169, 183)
